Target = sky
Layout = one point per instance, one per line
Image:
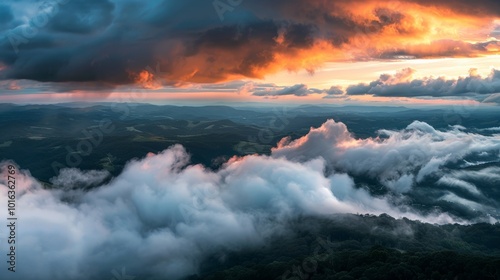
(163, 216)
(237, 51)
(172, 215)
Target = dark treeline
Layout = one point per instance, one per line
(366, 247)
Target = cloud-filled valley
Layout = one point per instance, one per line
(162, 216)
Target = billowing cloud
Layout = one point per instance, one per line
(419, 150)
(82, 17)
(297, 90)
(71, 178)
(403, 84)
(5, 16)
(170, 215)
(450, 181)
(112, 42)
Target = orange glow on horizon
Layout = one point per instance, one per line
(207, 97)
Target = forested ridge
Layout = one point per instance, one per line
(366, 247)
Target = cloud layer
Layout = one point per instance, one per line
(162, 216)
(403, 84)
(417, 150)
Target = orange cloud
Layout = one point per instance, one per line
(346, 31)
(261, 38)
(147, 80)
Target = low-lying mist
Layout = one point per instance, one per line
(162, 216)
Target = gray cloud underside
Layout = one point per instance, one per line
(105, 41)
(403, 85)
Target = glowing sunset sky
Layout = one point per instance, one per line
(297, 51)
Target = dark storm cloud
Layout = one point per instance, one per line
(237, 36)
(82, 16)
(5, 15)
(299, 36)
(334, 92)
(171, 215)
(113, 41)
(236, 39)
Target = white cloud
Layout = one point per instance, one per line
(72, 178)
(490, 174)
(402, 184)
(403, 84)
(451, 197)
(431, 167)
(162, 217)
(491, 129)
(418, 149)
